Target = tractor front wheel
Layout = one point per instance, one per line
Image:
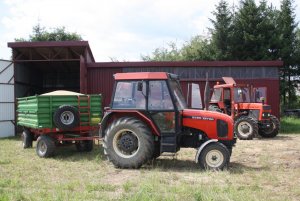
(128, 143)
(273, 130)
(214, 156)
(246, 128)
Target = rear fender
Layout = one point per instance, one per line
(111, 115)
(202, 147)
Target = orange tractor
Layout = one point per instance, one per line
(148, 116)
(246, 105)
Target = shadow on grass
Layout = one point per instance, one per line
(69, 153)
(238, 168)
(279, 137)
(177, 165)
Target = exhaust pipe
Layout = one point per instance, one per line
(206, 93)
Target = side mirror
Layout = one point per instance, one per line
(140, 86)
(262, 99)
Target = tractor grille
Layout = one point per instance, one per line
(222, 128)
(254, 114)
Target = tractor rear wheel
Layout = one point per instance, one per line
(214, 156)
(246, 128)
(45, 146)
(128, 143)
(271, 131)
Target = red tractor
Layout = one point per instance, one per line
(148, 116)
(246, 105)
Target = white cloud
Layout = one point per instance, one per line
(114, 28)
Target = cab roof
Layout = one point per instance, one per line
(142, 76)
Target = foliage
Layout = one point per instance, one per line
(288, 41)
(40, 33)
(171, 53)
(199, 48)
(222, 33)
(289, 125)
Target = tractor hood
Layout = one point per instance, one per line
(253, 106)
(214, 124)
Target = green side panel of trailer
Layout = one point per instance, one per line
(37, 111)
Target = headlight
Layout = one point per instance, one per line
(266, 115)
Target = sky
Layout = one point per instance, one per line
(120, 30)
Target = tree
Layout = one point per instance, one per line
(222, 31)
(198, 48)
(288, 48)
(171, 53)
(40, 33)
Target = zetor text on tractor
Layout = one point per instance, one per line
(148, 116)
(246, 105)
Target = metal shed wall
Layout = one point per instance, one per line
(259, 73)
(7, 99)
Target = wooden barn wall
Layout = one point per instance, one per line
(101, 81)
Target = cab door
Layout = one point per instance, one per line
(162, 111)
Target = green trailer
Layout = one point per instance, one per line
(59, 118)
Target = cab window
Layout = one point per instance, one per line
(159, 96)
(127, 95)
(216, 96)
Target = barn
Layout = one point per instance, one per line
(41, 67)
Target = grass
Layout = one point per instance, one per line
(259, 170)
(290, 125)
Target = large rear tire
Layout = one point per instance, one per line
(246, 128)
(128, 143)
(214, 156)
(273, 130)
(45, 146)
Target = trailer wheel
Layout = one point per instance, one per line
(214, 156)
(128, 143)
(85, 145)
(27, 139)
(245, 128)
(66, 117)
(273, 130)
(45, 146)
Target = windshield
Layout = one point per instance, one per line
(176, 89)
(241, 95)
